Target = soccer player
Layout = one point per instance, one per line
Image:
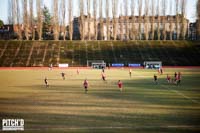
(46, 83)
(178, 78)
(63, 75)
(109, 66)
(130, 72)
(50, 67)
(85, 85)
(120, 85)
(161, 71)
(175, 74)
(168, 78)
(77, 71)
(103, 76)
(179, 74)
(155, 79)
(103, 70)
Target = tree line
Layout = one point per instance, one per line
(32, 18)
(198, 19)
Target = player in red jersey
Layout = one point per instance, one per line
(130, 72)
(63, 75)
(77, 71)
(161, 71)
(175, 74)
(46, 83)
(85, 85)
(168, 78)
(120, 85)
(178, 78)
(103, 76)
(155, 79)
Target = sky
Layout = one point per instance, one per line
(190, 8)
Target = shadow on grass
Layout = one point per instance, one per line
(95, 123)
(140, 90)
(136, 93)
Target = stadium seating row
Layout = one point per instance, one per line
(76, 53)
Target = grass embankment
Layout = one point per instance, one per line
(76, 53)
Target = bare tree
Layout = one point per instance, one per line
(55, 20)
(88, 18)
(10, 13)
(121, 19)
(39, 19)
(152, 18)
(107, 20)
(25, 19)
(177, 20)
(146, 19)
(63, 25)
(95, 19)
(31, 19)
(127, 19)
(198, 19)
(158, 19)
(70, 4)
(170, 25)
(114, 13)
(183, 21)
(140, 2)
(101, 19)
(19, 26)
(164, 19)
(133, 33)
(14, 11)
(82, 21)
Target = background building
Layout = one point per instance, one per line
(137, 28)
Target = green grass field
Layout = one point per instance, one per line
(64, 107)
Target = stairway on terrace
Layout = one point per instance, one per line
(76, 53)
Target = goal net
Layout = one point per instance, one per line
(152, 64)
(97, 64)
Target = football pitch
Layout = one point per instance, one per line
(142, 107)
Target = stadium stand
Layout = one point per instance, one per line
(76, 53)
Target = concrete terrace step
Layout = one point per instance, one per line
(76, 53)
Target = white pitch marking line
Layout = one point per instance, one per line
(177, 92)
(116, 127)
(181, 94)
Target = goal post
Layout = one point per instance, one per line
(152, 64)
(98, 64)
